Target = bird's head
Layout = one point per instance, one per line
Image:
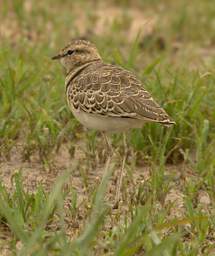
(76, 54)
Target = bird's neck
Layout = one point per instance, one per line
(70, 75)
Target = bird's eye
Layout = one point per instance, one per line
(70, 52)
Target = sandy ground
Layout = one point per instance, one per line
(34, 173)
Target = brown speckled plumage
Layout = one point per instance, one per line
(104, 90)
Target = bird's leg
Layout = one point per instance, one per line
(108, 144)
(119, 183)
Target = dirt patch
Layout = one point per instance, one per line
(99, 20)
(85, 181)
(131, 20)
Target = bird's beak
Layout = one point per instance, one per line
(56, 57)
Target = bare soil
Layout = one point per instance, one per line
(34, 173)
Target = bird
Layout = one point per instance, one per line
(103, 96)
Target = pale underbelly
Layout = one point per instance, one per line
(106, 124)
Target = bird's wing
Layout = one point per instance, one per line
(114, 91)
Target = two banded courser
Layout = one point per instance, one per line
(106, 97)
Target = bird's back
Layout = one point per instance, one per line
(112, 91)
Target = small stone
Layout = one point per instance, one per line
(204, 198)
(19, 245)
